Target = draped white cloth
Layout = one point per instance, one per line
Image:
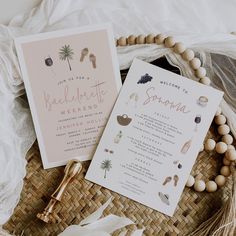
(203, 25)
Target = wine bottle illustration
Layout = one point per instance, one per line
(186, 146)
(118, 137)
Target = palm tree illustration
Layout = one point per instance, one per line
(106, 166)
(66, 54)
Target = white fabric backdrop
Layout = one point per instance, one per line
(203, 25)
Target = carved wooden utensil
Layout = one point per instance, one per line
(71, 170)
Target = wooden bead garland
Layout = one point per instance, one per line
(222, 147)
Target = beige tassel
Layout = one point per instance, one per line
(223, 222)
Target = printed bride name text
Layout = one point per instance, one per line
(95, 93)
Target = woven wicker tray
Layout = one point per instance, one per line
(83, 197)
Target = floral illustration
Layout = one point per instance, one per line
(66, 54)
(106, 166)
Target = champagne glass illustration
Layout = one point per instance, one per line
(197, 121)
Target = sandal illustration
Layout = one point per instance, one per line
(176, 179)
(167, 180)
(164, 198)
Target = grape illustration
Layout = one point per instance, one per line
(145, 78)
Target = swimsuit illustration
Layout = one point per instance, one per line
(124, 120)
(145, 78)
(108, 151)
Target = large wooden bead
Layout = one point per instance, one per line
(225, 171)
(179, 48)
(221, 147)
(150, 38)
(211, 186)
(220, 119)
(220, 180)
(132, 40)
(169, 42)
(195, 63)
(223, 129)
(218, 112)
(190, 181)
(226, 162)
(200, 72)
(227, 138)
(231, 155)
(205, 80)
(122, 41)
(210, 144)
(230, 147)
(188, 54)
(159, 39)
(202, 148)
(199, 185)
(140, 39)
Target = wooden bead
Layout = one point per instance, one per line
(210, 144)
(200, 72)
(132, 40)
(226, 162)
(190, 181)
(195, 63)
(227, 138)
(150, 38)
(225, 171)
(221, 147)
(188, 55)
(223, 129)
(211, 186)
(220, 180)
(122, 41)
(159, 39)
(220, 119)
(179, 48)
(231, 147)
(199, 185)
(231, 155)
(169, 42)
(140, 39)
(116, 42)
(205, 80)
(218, 112)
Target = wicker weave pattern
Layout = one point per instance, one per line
(83, 197)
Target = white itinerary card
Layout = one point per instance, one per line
(153, 136)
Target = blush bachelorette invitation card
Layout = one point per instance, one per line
(72, 80)
(153, 136)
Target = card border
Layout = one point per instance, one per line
(26, 79)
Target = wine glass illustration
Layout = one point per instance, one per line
(49, 63)
(197, 121)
